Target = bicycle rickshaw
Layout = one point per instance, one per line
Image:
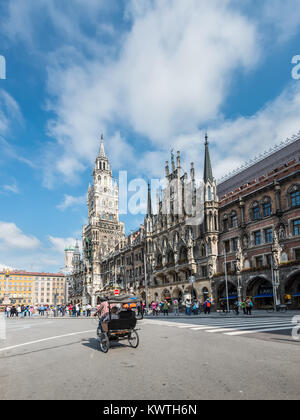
(122, 322)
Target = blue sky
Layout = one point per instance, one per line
(151, 75)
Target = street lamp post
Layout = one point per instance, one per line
(273, 284)
(226, 279)
(55, 301)
(146, 280)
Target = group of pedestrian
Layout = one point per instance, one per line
(19, 311)
(246, 306)
(78, 310)
(22, 311)
(191, 307)
(162, 306)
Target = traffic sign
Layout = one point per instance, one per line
(117, 292)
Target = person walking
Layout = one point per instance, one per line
(207, 307)
(243, 307)
(195, 307)
(13, 311)
(7, 311)
(188, 305)
(166, 308)
(249, 306)
(237, 307)
(73, 311)
(154, 308)
(88, 310)
(18, 310)
(176, 307)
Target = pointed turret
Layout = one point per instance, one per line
(149, 205)
(102, 150)
(208, 175)
(173, 161)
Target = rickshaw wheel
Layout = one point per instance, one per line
(133, 339)
(104, 342)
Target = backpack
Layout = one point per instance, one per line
(208, 304)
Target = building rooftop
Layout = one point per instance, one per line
(262, 166)
(26, 273)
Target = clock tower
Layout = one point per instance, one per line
(104, 231)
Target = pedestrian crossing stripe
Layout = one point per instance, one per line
(232, 327)
(261, 330)
(247, 328)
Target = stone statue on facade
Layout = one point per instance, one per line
(281, 233)
(276, 252)
(211, 267)
(239, 257)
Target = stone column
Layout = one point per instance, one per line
(277, 196)
(242, 207)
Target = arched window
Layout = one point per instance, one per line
(225, 222)
(183, 255)
(255, 211)
(216, 222)
(209, 194)
(234, 219)
(99, 178)
(267, 207)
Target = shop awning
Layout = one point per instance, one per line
(229, 298)
(266, 295)
(296, 295)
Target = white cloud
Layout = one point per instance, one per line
(173, 73)
(11, 237)
(283, 16)
(167, 76)
(60, 244)
(70, 201)
(9, 112)
(232, 143)
(13, 188)
(48, 256)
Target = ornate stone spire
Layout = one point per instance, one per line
(149, 205)
(102, 151)
(173, 160)
(208, 175)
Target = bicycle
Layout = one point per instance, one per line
(279, 308)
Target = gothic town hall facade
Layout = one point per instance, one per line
(246, 228)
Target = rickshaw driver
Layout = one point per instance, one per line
(103, 310)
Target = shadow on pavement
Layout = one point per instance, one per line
(39, 350)
(93, 343)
